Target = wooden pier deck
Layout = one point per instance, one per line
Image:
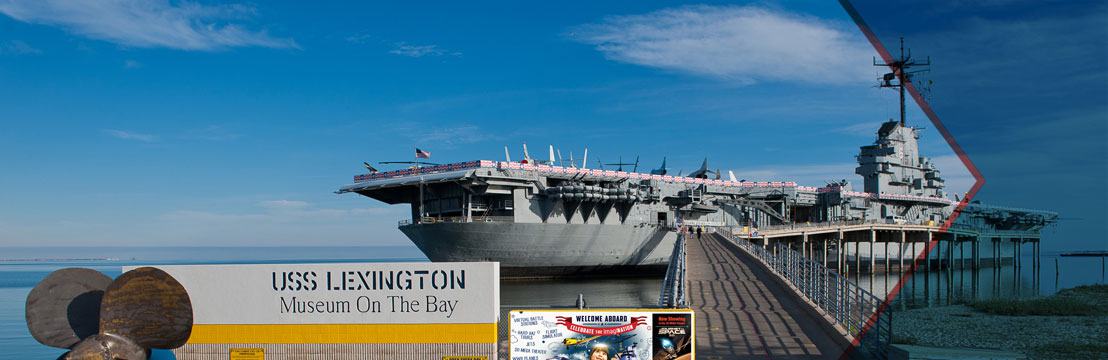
(743, 312)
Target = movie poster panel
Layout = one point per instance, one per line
(665, 334)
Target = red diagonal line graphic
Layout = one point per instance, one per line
(979, 180)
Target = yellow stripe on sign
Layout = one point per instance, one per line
(344, 334)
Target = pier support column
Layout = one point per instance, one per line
(950, 266)
(885, 251)
(872, 250)
(840, 253)
(901, 250)
(1015, 265)
(961, 268)
(886, 243)
(858, 259)
(912, 275)
(976, 254)
(996, 265)
(804, 244)
(872, 259)
(961, 255)
(824, 241)
(927, 268)
(974, 281)
(1035, 264)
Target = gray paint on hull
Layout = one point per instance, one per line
(552, 248)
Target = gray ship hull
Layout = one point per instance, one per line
(544, 249)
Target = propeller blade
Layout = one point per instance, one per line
(64, 308)
(149, 307)
(106, 347)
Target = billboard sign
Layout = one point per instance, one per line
(607, 334)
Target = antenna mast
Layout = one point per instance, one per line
(901, 74)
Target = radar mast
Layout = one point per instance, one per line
(901, 73)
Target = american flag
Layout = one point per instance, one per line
(422, 154)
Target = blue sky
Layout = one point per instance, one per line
(195, 123)
(1023, 85)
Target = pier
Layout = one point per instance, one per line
(753, 302)
(793, 291)
(858, 248)
(742, 312)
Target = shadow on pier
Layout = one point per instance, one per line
(744, 312)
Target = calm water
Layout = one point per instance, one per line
(22, 268)
(945, 286)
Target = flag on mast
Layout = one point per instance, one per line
(422, 154)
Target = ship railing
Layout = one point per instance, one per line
(456, 219)
(673, 294)
(803, 225)
(863, 315)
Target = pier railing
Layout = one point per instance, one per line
(846, 303)
(838, 223)
(673, 287)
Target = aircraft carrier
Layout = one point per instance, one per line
(552, 217)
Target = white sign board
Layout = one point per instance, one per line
(342, 293)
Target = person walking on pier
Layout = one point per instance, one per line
(698, 232)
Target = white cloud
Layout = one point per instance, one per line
(860, 129)
(461, 134)
(416, 51)
(129, 135)
(283, 222)
(283, 204)
(360, 38)
(447, 136)
(211, 133)
(738, 43)
(132, 64)
(18, 47)
(957, 176)
(278, 211)
(148, 23)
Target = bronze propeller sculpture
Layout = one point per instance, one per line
(96, 318)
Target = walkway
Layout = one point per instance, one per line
(743, 313)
